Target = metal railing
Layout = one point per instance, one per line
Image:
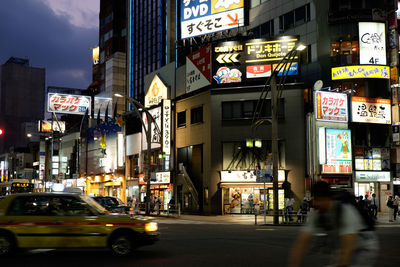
(289, 218)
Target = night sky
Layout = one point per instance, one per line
(54, 34)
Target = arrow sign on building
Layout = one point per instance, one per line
(227, 58)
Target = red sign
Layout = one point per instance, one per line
(198, 69)
(336, 169)
(258, 71)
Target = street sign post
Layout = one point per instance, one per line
(264, 176)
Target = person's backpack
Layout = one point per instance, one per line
(344, 197)
(390, 204)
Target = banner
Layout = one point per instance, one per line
(360, 71)
(338, 152)
(198, 69)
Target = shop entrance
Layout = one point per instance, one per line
(242, 200)
(363, 189)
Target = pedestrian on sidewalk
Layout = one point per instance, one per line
(133, 204)
(289, 202)
(374, 206)
(395, 207)
(390, 205)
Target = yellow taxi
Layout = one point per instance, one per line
(65, 220)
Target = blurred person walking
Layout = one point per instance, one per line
(349, 238)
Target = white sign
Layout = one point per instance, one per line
(330, 106)
(322, 145)
(160, 178)
(155, 135)
(371, 110)
(366, 176)
(120, 147)
(69, 104)
(166, 138)
(156, 93)
(372, 42)
(199, 17)
(246, 176)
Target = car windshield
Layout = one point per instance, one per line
(94, 204)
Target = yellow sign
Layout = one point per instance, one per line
(156, 93)
(222, 6)
(96, 53)
(360, 71)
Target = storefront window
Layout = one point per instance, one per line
(344, 52)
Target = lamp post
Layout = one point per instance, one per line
(284, 66)
(137, 106)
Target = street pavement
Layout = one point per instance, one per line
(210, 241)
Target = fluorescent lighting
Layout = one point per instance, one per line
(301, 47)
(118, 95)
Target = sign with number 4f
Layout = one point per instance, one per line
(372, 42)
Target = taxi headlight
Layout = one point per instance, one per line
(151, 227)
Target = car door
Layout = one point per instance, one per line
(78, 225)
(29, 219)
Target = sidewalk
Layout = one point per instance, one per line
(250, 219)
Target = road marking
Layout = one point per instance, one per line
(265, 229)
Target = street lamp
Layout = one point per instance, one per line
(284, 66)
(138, 107)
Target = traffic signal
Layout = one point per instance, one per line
(1, 131)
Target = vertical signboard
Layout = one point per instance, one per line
(331, 106)
(198, 69)
(155, 135)
(199, 17)
(166, 138)
(372, 41)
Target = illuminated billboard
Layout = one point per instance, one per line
(360, 71)
(198, 69)
(200, 17)
(68, 104)
(372, 42)
(45, 126)
(238, 61)
(96, 53)
(371, 110)
(337, 151)
(330, 106)
(156, 93)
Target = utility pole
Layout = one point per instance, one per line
(275, 152)
(148, 138)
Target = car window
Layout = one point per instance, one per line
(29, 206)
(112, 201)
(93, 204)
(69, 206)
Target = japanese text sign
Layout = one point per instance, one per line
(361, 71)
(199, 17)
(371, 110)
(237, 61)
(155, 134)
(69, 104)
(198, 69)
(372, 43)
(260, 50)
(166, 139)
(331, 106)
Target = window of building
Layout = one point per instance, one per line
(181, 120)
(196, 115)
(264, 30)
(234, 110)
(345, 51)
(294, 18)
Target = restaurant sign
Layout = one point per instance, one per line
(361, 71)
(371, 110)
